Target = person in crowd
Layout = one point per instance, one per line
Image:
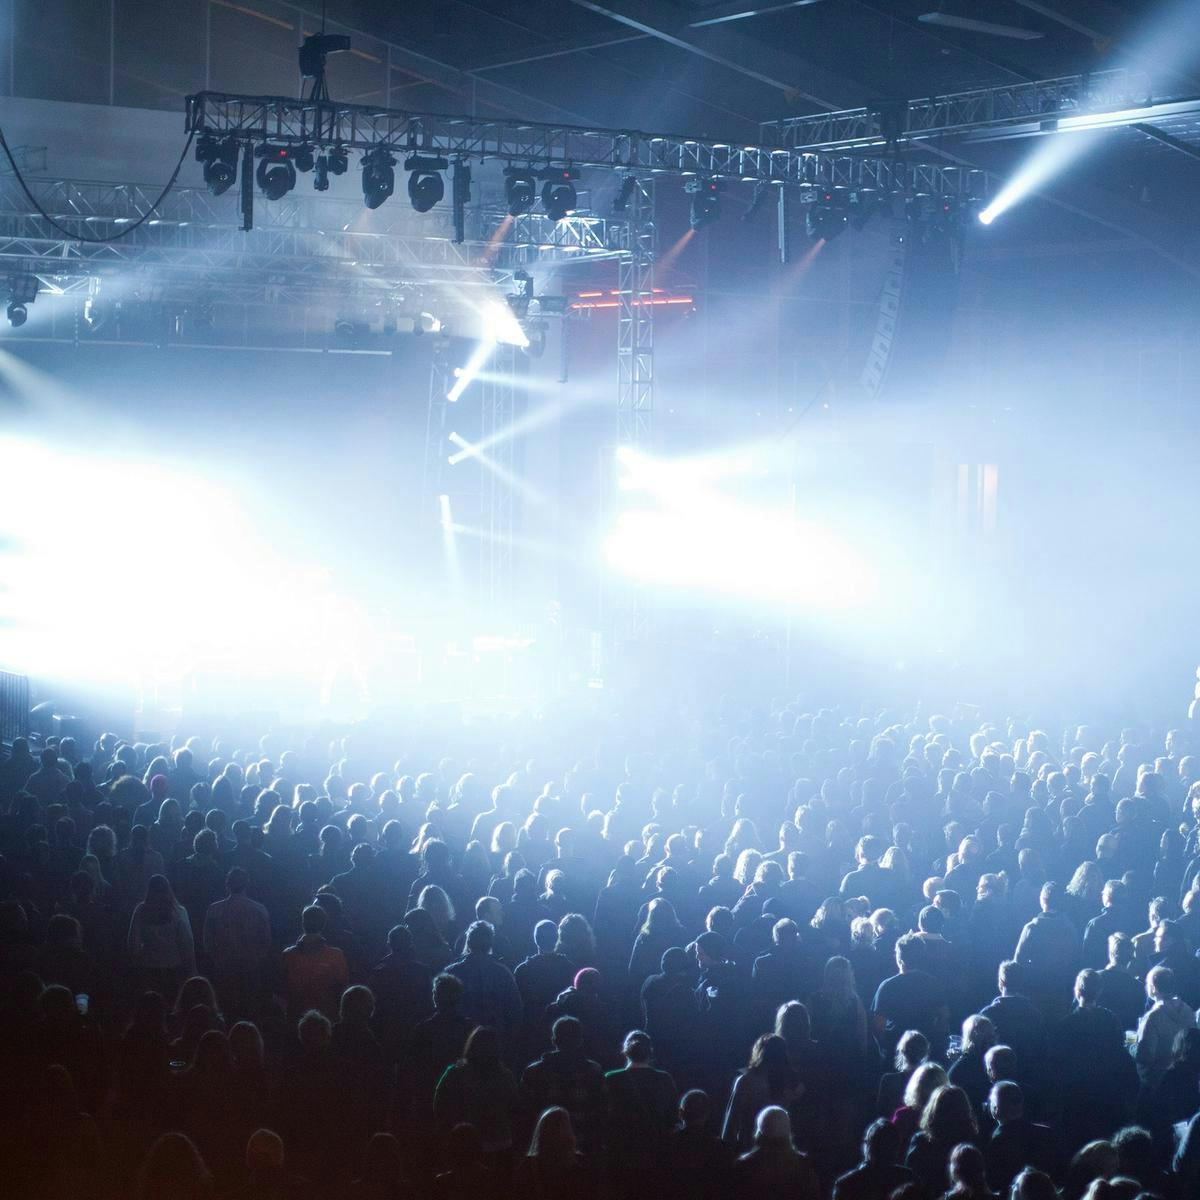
(554, 1166)
(911, 1051)
(159, 942)
(767, 1079)
(314, 972)
(911, 999)
(1015, 1142)
(1156, 1032)
(880, 1172)
(237, 941)
(479, 1090)
(402, 990)
(772, 1166)
(566, 1078)
(642, 1103)
(697, 1161)
(947, 1122)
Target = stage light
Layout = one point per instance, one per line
(219, 159)
(378, 176)
(22, 291)
(519, 300)
(828, 215)
(706, 201)
(303, 158)
(520, 190)
(425, 185)
(276, 174)
(625, 195)
(339, 161)
(321, 175)
(558, 195)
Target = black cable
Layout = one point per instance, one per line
(12, 162)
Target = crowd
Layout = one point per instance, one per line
(798, 954)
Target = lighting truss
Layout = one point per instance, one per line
(255, 119)
(1099, 100)
(301, 246)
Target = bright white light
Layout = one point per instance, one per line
(501, 325)
(65, 614)
(464, 376)
(686, 534)
(986, 216)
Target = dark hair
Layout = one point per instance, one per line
(159, 906)
(881, 1142)
(447, 990)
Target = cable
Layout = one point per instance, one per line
(12, 162)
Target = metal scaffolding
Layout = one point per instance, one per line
(635, 323)
(440, 382)
(274, 119)
(1101, 100)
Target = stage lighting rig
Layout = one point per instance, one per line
(706, 201)
(303, 158)
(558, 193)
(219, 158)
(828, 215)
(321, 174)
(628, 186)
(339, 160)
(378, 176)
(22, 291)
(425, 184)
(519, 300)
(276, 173)
(520, 189)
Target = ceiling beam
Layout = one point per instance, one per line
(1167, 139)
(1054, 14)
(727, 48)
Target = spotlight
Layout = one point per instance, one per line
(828, 215)
(276, 174)
(625, 195)
(425, 184)
(519, 300)
(22, 291)
(558, 195)
(302, 156)
(321, 175)
(219, 159)
(706, 202)
(339, 161)
(378, 176)
(520, 190)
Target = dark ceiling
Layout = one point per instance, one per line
(719, 67)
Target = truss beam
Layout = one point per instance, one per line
(1101, 100)
(357, 127)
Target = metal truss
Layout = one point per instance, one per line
(1095, 101)
(635, 324)
(357, 127)
(302, 246)
(440, 382)
(498, 389)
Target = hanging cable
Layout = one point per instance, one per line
(78, 237)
